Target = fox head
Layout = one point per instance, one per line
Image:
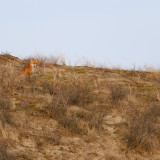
(33, 63)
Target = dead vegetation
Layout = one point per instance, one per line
(118, 93)
(144, 129)
(67, 112)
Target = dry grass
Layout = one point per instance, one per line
(76, 92)
(4, 154)
(4, 109)
(50, 61)
(143, 128)
(117, 93)
(61, 104)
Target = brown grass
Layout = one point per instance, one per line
(65, 110)
(50, 61)
(117, 93)
(5, 109)
(4, 154)
(143, 128)
(76, 92)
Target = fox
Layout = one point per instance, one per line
(30, 68)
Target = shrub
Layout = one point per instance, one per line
(143, 128)
(95, 121)
(57, 108)
(117, 93)
(72, 93)
(76, 93)
(71, 123)
(48, 88)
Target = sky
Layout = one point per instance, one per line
(122, 33)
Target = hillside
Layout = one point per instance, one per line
(78, 113)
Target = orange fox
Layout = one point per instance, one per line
(30, 68)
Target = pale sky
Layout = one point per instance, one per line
(110, 32)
